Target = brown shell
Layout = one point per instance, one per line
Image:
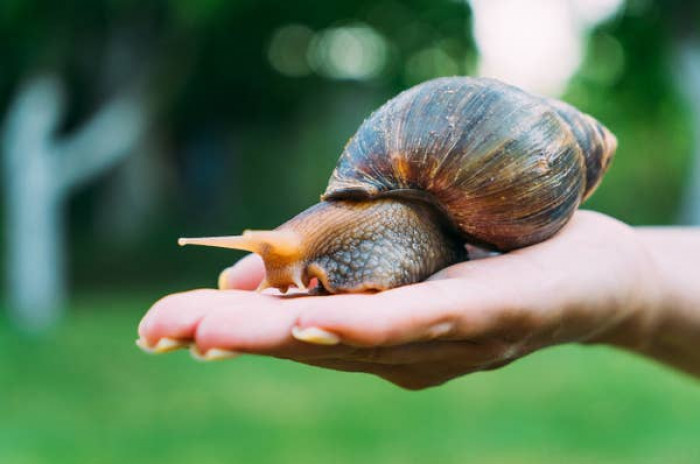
(508, 168)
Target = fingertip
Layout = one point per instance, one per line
(176, 315)
(246, 274)
(141, 330)
(224, 279)
(144, 328)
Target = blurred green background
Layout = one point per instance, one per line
(126, 124)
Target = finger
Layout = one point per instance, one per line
(246, 274)
(230, 320)
(176, 316)
(258, 326)
(418, 312)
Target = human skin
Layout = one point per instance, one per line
(597, 281)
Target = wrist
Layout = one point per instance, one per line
(640, 310)
(676, 325)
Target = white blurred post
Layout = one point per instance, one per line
(39, 172)
(535, 44)
(688, 77)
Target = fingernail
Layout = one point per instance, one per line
(143, 344)
(315, 335)
(223, 280)
(164, 345)
(214, 354)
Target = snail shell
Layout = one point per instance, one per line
(506, 167)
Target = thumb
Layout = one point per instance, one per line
(246, 274)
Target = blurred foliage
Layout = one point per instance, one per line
(85, 394)
(242, 145)
(626, 82)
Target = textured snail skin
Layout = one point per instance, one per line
(370, 245)
(451, 161)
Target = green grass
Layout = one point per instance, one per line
(85, 394)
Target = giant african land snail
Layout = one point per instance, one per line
(451, 161)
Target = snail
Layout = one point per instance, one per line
(448, 162)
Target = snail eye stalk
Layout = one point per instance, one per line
(285, 243)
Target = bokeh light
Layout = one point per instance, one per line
(288, 50)
(431, 62)
(609, 63)
(355, 51)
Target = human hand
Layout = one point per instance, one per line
(592, 282)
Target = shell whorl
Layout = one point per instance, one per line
(507, 167)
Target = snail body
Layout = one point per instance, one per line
(450, 161)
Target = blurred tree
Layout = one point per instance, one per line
(40, 171)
